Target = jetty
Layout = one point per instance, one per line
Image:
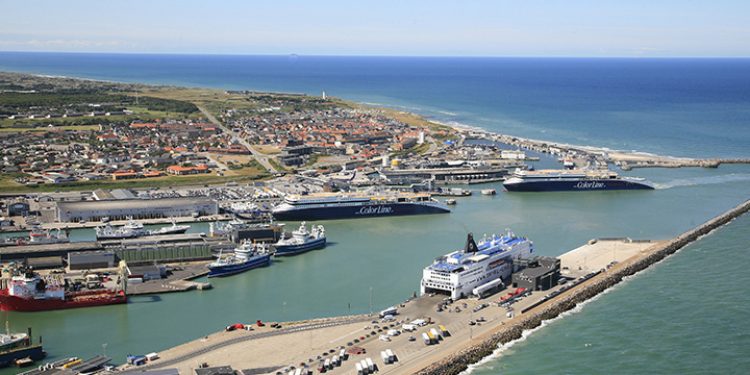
(468, 329)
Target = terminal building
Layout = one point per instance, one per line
(121, 209)
(539, 273)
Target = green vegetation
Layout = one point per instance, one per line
(49, 129)
(14, 102)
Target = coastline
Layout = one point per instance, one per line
(626, 159)
(461, 361)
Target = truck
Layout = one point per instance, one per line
(370, 365)
(433, 338)
(434, 332)
(363, 363)
(409, 327)
(391, 355)
(359, 369)
(444, 330)
(385, 358)
(426, 338)
(488, 288)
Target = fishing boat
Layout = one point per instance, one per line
(244, 258)
(172, 229)
(302, 240)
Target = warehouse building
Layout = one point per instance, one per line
(84, 260)
(121, 209)
(540, 273)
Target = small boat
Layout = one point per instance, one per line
(39, 235)
(489, 192)
(221, 228)
(302, 240)
(450, 202)
(132, 229)
(173, 229)
(245, 257)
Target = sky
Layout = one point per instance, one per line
(593, 28)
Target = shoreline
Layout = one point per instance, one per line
(629, 158)
(461, 361)
(460, 351)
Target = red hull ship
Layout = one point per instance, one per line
(72, 300)
(28, 291)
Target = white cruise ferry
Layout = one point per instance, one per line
(328, 206)
(459, 272)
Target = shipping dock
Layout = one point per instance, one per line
(430, 334)
(312, 342)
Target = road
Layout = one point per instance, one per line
(259, 156)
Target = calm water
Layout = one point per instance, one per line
(682, 107)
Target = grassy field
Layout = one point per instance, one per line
(267, 149)
(49, 129)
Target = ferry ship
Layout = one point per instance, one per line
(245, 257)
(572, 180)
(302, 240)
(459, 272)
(327, 206)
(28, 291)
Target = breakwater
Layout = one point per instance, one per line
(513, 330)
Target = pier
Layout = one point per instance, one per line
(476, 326)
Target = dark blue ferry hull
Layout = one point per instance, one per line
(254, 262)
(351, 212)
(568, 185)
(298, 249)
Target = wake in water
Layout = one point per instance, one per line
(733, 177)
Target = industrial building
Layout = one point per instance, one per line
(121, 209)
(540, 273)
(84, 260)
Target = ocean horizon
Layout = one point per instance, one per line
(617, 103)
(673, 318)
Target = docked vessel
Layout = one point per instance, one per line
(459, 272)
(134, 229)
(244, 258)
(172, 229)
(17, 348)
(37, 236)
(10, 341)
(572, 180)
(302, 240)
(225, 228)
(26, 290)
(246, 210)
(131, 229)
(325, 206)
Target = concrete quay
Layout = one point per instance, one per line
(468, 321)
(461, 358)
(475, 331)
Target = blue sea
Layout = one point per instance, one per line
(630, 104)
(688, 315)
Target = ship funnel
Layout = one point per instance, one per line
(471, 246)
